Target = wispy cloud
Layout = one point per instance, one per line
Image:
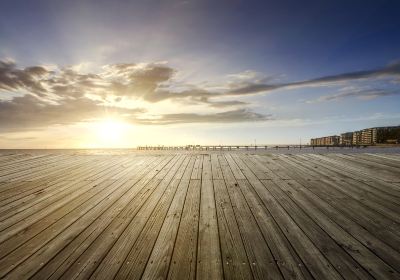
(365, 94)
(392, 70)
(241, 115)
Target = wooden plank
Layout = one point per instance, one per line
(346, 233)
(269, 163)
(15, 224)
(39, 258)
(39, 193)
(19, 254)
(384, 161)
(183, 262)
(158, 263)
(18, 188)
(341, 261)
(364, 169)
(326, 162)
(262, 262)
(159, 260)
(376, 166)
(135, 261)
(286, 258)
(26, 223)
(305, 246)
(129, 260)
(197, 168)
(386, 157)
(55, 164)
(192, 214)
(337, 194)
(117, 235)
(383, 195)
(209, 262)
(215, 168)
(122, 210)
(63, 175)
(259, 168)
(235, 262)
(352, 195)
(25, 164)
(8, 159)
(308, 251)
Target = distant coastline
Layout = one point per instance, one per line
(387, 149)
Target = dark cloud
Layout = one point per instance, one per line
(234, 116)
(356, 93)
(137, 80)
(215, 104)
(29, 79)
(223, 104)
(392, 70)
(27, 112)
(162, 94)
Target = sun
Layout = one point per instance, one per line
(109, 132)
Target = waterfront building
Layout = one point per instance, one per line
(346, 139)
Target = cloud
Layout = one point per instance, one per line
(65, 95)
(138, 80)
(153, 82)
(240, 115)
(27, 112)
(29, 78)
(62, 96)
(365, 94)
(229, 103)
(392, 70)
(213, 103)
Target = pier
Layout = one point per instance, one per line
(199, 215)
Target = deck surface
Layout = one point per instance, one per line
(201, 215)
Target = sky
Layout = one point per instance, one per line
(119, 74)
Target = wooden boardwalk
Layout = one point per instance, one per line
(202, 215)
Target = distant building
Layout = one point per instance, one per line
(387, 135)
(346, 139)
(326, 141)
(368, 136)
(356, 138)
(380, 135)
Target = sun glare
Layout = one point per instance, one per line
(110, 132)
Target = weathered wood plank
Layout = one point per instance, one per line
(117, 234)
(183, 262)
(262, 262)
(126, 206)
(158, 263)
(286, 258)
(333, 223)
(209, 262)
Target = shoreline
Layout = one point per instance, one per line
(250, 150)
